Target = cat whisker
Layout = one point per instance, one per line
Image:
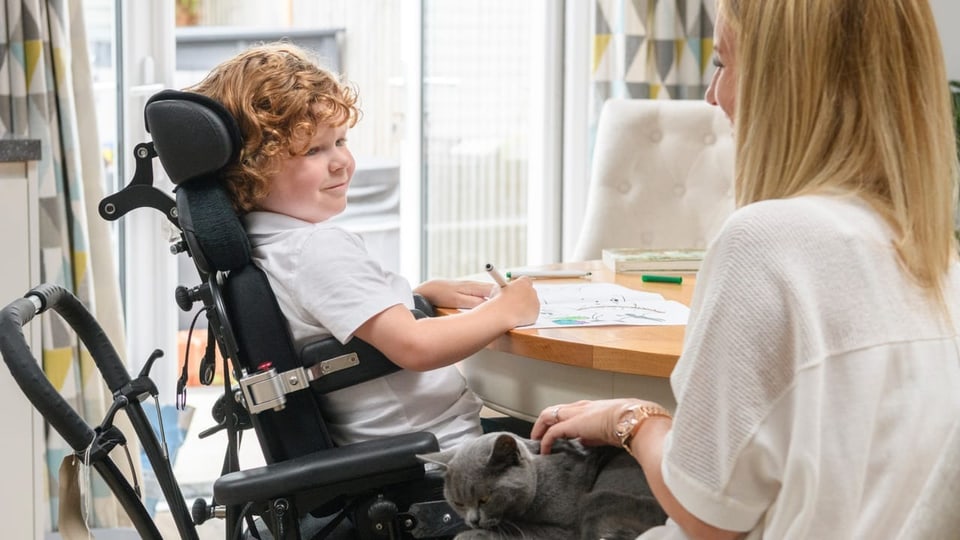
(515, 528)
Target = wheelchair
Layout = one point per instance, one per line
(309, 487)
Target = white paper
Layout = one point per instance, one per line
(604, 304)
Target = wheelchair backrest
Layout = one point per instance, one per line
(195, 138)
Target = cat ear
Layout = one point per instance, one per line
(506, 453)
(437, 458)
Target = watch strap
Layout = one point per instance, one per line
(631, 420)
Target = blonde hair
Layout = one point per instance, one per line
(849, 96)
(279, 96)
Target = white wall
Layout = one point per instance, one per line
(947, 13)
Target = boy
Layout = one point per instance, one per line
(292, 176)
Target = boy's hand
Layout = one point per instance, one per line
(521, 300)
(455, 293)
(518, 300)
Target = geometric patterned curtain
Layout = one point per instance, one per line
(656, 49)
(46, 94)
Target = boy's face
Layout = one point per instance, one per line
(312, 186)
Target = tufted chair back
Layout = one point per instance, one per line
(662, 176)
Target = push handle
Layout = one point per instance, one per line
(88, 330)
(31, 379)
(62, 417)
(26, 370)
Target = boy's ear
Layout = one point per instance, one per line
(438, 458)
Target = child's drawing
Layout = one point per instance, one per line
(597, 304)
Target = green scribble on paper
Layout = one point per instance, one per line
(571, 321)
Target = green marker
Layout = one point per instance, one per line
(661, 279)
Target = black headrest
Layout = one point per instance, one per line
(195, 137)
(192, 134)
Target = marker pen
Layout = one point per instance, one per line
(542, 274)
(495, 274)
(652, 278)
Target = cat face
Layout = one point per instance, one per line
(488, 480)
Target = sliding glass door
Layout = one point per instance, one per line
(487, 102)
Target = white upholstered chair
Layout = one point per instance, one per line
(662, 176)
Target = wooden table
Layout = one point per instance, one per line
(526, 370)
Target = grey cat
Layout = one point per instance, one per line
(504, 489)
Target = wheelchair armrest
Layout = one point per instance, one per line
(422, 307)
(363, 466)
(372, 362)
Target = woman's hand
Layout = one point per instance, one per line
(450, 293)
(593, 422)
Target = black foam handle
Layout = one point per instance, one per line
(88, 330)
(31, 379)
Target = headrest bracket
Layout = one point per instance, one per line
(140, 191)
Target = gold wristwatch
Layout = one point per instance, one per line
(630, 420)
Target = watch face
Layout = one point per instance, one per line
(625, 426)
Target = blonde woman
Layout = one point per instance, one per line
(818, 384)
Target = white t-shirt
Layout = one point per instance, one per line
(327, 284)
(818, 385)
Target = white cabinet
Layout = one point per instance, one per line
(23, 511)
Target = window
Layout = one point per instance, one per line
(461, 107)
(488, 79)
(486, 99)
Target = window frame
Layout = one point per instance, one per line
(146, 60)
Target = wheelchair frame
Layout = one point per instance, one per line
(305, 490)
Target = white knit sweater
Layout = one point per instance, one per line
(818, 385)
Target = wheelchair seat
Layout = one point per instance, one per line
(379, 484)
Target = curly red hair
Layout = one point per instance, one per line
(279, 95)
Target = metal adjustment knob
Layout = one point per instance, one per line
(201, 511)
(186, 297)
(179, 246)
(382, 513)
